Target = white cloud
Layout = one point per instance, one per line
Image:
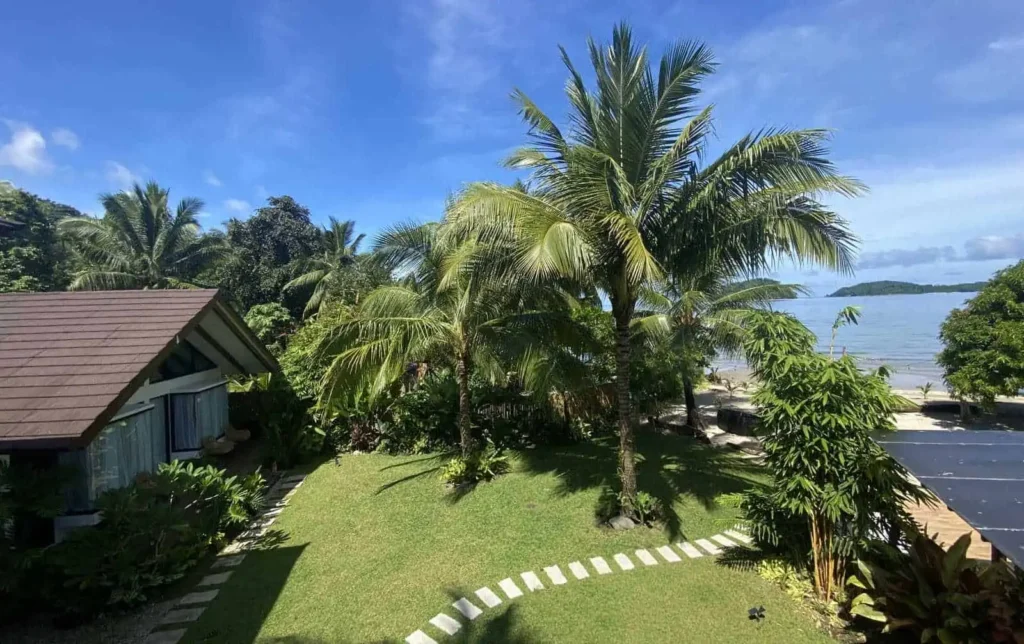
(26, 151)
(121, 176)
(1007, 44)
(995, 247)
(211, 179)
(238, 205)
(65, 138)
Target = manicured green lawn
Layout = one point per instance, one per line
(376, 547)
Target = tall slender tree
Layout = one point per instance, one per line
(140, 243)
(321, 272)
(622, 199)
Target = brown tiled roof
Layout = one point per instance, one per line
(68, 361)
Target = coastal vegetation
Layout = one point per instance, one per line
(983, 355)
(888, 287)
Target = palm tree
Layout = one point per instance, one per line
(703, 317)
(622, 200)
(320, 273)
(138, 243)
(450, 309)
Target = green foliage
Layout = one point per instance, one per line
(267, 250)
(27, 493)
(889, 287)
(140, 243)
(31, 255)
(983, 355)
(648, 509)
(926, 389)
(939, 596)
(326, 273)
(484, 465)
(151, 533)
(271, 323)
(817, 415)
(305, 361)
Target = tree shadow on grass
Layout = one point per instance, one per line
(668, 466)
(437, 459)
(507, 627)
(245, 601)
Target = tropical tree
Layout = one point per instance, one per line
(139, 243)
(455, 308)
(705, 315)
(323, 271)
(621, 200)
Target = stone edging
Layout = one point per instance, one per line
(191, 606)
(467, 610)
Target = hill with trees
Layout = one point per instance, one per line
(888, 287)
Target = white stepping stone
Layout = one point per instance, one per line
(419, 637)
(201, 597)
(468, 609)
(739, 536)
(488, 597)
(180, 615)
(668, 554)
(228, 562)
(646, 557)
(623, 561)
(555, 575)
(532, 581)
(509, 587)
(294, 477)
(215, 580)
(446, 623)
(725, 541)
(578, 570)
(165, 637)
(273, 513)
(707, 545)
(600, 565)
(689, 550)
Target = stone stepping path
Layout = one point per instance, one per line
(446, 625)
(668, 554)
(509, 588)
(624, 562)
(578, 571)
(554, 573)
(468, 609)
(710, 547)
(601, 566)
(532, 581)
(488, 597)
(191, 606)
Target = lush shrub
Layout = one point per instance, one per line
(935, 595)
(817, 418)
(483, 466)
(307, 357)
(151, 533)
(647, 509)
(984, 341)
(271, 323)
(28, 494)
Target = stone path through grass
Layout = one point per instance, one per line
(449, 625)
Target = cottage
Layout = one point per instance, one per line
(116, 382)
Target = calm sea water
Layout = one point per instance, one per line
(900, 331)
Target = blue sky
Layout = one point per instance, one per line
(375, 111)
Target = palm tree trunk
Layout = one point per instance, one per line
(465, 425)
(627, 444)
(693, 419)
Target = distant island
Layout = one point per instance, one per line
(905, 288)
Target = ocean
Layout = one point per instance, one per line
(900, 331)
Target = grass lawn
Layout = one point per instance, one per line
(376, 547)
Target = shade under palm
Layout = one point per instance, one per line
(455, 307)
(341, 248)
(139, 243)
(622, 199)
